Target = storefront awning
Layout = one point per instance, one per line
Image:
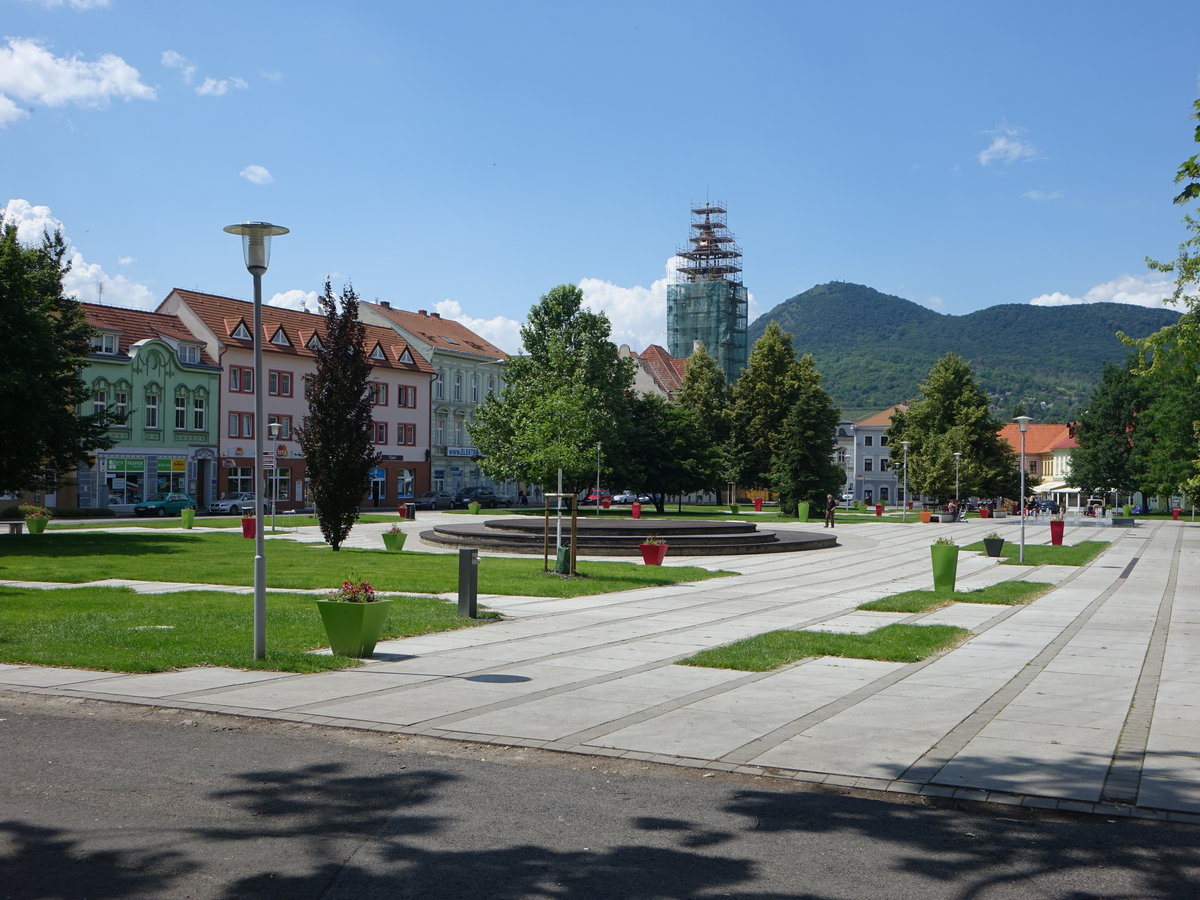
(1055, 487)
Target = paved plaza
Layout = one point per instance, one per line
(1086, 700)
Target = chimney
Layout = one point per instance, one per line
(385, 304)
(436, 315)
(421, 312)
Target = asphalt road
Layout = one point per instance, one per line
(102, 800)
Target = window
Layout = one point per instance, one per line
(247, 425)
(99, 401)
(377, 353)
(441, 431)
(883, 495)
(189, 354)
(885, 465)
(458, 385)
(868, 465)
(241, 381)
(378, 489)
(1033, 466)
(406, 435)
(474, 388)
(121, 406)
(868, 441)
(241, 332)
(407, 396)
(279, 384)
(241, 478)
(280, 337)
(377, 393)
(883, 440)
(841, 456)
(180, 412)
(241, 424)
(104, 343)
(285, 426)
(438, 387)
(380, 433)
(406, 480)
(151, 410)
(491, 384)
(458, 432)
(308, 387)
(199, 422)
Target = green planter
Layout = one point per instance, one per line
(802, 511)
(187, 516)
(733, 508)
(945, 567)
(473, 508)
(36, 525)
(394, 541)
(353, 628)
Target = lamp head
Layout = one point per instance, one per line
(1023, 422)
(256, 243)
(958, 454)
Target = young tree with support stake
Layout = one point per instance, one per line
(336, 441)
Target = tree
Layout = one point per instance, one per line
(565, 394)
(952, 415)
(336, 440)
(706, 393)
(803, 468)
(1104, 459)
(1165, 439)
(669, 451)
(762, 398)
(42, 392)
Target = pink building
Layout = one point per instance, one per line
(400, 388)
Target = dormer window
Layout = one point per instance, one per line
(280, 337)
(241, 332)
(406, 358)
(104, 343)
(314, 343)
(450, 340)
(189, 354)
(377, 353)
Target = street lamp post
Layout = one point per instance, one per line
(1023, 424)
(273, 430)
(957, 457)
(256, 249)
(904, 502)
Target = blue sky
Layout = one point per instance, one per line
(467, 157)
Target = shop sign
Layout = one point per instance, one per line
(462, 451)
(172, 465)
(119, 464)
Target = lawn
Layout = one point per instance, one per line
(211, 558)
(115, 629)
(1006, 593)
(1047, 555)
(892, 643)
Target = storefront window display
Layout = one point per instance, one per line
(172, 476)
(124, 479)
(406, 480)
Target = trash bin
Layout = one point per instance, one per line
(248, 530)
(412, 510)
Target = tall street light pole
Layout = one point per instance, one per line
(1023, 424)
(957, 458)
(904, 503)
(273, 430)
(256, 249)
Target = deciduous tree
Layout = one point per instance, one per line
(762, 398)
(336, 440)
(803, 468)
(1105, 457)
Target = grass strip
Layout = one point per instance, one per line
(892, 643)
(118, 630)
(210, 558)
(1045, 554)
(1006, 593)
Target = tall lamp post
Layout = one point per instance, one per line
(904, 502)
(1023, 424)
(957, 458)
(256, 249)
(273, 430)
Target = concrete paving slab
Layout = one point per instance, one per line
(550, 718)
(36, 676)
(185, 681)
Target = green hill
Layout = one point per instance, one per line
(874, 349)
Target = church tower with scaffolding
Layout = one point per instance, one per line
(706, 300)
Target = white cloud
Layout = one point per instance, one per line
(304, 301)
(935, 302)
(32, 74)
(219, 87)
(76, 4)
(1042, 195)
(86, 281)
(126, 260)
(257, 175)
(1139, 290)
(502, 331)
(1007, 147)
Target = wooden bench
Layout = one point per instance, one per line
(16, 527)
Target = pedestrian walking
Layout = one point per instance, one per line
(830, 508)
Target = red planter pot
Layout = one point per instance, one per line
(1056, 532)
(248, 529)
(1175, 514)
(879, 509)
(636, 510)
(984, 512)
(758, 504)
(653, 554)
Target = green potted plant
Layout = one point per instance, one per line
(944, 553)
(354, 616)
(36, 518)
(733, 508)
(473, 507)
(393, 538)
(993, 543)
(654, 549)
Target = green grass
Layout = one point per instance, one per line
(281, 521)
(1007, 593)
(210, 558)
(1045, 555)
(115, 629)
(893, 643)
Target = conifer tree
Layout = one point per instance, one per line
(803, 467)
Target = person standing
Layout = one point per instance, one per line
(830, 508)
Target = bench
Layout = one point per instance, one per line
(16, 527)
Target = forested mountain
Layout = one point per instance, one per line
(874, 349)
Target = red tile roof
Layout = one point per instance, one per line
(222, 315)
(138, 325)
(666, 370)
(884, 417)
(1039, 439)
(445, 334)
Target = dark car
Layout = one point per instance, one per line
(164, 504)
(485, 497)
(1048, 506)
(434, 500)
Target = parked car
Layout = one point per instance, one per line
(233, 503)
(592, 496)
(434, 500)
(624, 497)
(485, 497)
(1048, 506)
(847, 496)
(164, 504)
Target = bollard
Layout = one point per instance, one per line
(468, 582)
